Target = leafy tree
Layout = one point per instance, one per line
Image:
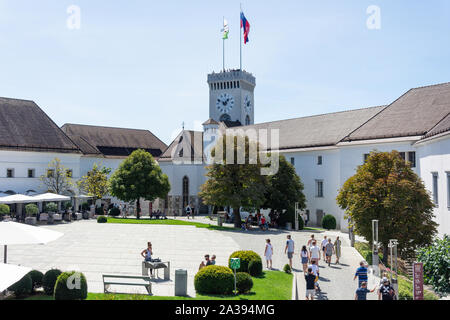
(232, 183)
(58, 178)
(139, 176)
(436, 264)
(284, 189)
(95, 183)
(386, 189)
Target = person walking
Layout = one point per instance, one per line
(329, 249)
(188, 211)
(361, 293)
(268, 251)
(310, 278)
(337, 249)
(361, 273)
(289, 249)
(310, 241)
(386, 291)
(324, 243)
(314, 253)
(315, 270)
(304, 257)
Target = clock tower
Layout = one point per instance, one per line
(231, 96)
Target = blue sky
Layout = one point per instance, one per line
(143, 64)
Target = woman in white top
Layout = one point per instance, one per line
(304, 256)
(268, 253)
(315, 253)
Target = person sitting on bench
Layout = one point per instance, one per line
(147, 254)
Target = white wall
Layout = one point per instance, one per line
(21, 161)
(435, 157)
(176, 172)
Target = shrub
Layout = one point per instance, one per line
(49, 280)
(436, 264)
(288, 216)
(71, 286)
(31, 209)
(114, 212)
(36, 278)
(102, 219)
(246, 257)
(287, 268)
(99, 211)
(329, 222)
(85, 206)
(68, 205)
(51, 207)
(4, 209)
(244, 282)
(214, 280)
(23, 287)
(255, 268)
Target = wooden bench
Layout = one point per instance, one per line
(107, 283)
(146, 265)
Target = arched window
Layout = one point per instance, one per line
(225, 117)
(247, 120)
(185, 191)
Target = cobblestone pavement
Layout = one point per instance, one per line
(97, 249)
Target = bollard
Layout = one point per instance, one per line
(180, 283)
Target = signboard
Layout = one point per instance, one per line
(235, 263)
(418, 281)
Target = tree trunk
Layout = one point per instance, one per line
(138, 209)
(237, 217)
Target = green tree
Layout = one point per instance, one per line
(386, 189)
(284, 189)
(139, 176)
(95, 183)
(232, 183)
(58, 179)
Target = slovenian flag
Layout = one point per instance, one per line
(246, 26)
(225, 30)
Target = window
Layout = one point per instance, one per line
(247, 120)
(10, 173)
(366, 156)
(239, 84)
(293, 161)
(319, 160)
(30, 173)
(185, 191)
(412, 159)
(319, 188)
(435, 188)
(448, 190)
(69, 173)
(180, 154)
(403, 155)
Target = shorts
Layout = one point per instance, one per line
(310, 293)
(304, 260)
(328, 254)
(268, 257)
(323, 248)
(290, 255)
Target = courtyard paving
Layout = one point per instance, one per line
(97, 249)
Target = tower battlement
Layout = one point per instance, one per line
(232, 75)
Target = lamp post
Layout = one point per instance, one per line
(375, 258)
(393, 253)
(296, 216)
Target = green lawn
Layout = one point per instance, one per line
(273, 285)
(173, 222)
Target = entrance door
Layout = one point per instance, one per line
(319, 216)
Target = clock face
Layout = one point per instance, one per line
(225, 102)
(247, 104)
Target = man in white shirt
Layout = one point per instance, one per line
(289, 249)
(314, 253)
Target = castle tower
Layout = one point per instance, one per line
(231, 96)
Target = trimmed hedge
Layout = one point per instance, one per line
(70, 286)
(36, 277)
(214, 280)
(255, 268)
(49, 280)
(246, 257)
(102, 219)
(23, 287)
(287, 268)
(98, 211)
(31, 209)
(51, 207)
(329, 222)
(4, 209)
(114, 212)
(244, 282)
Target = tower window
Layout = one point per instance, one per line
(247, 120)
(225, 117)
(185, 191)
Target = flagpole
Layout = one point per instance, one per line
(240, 38)
(223, 39)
